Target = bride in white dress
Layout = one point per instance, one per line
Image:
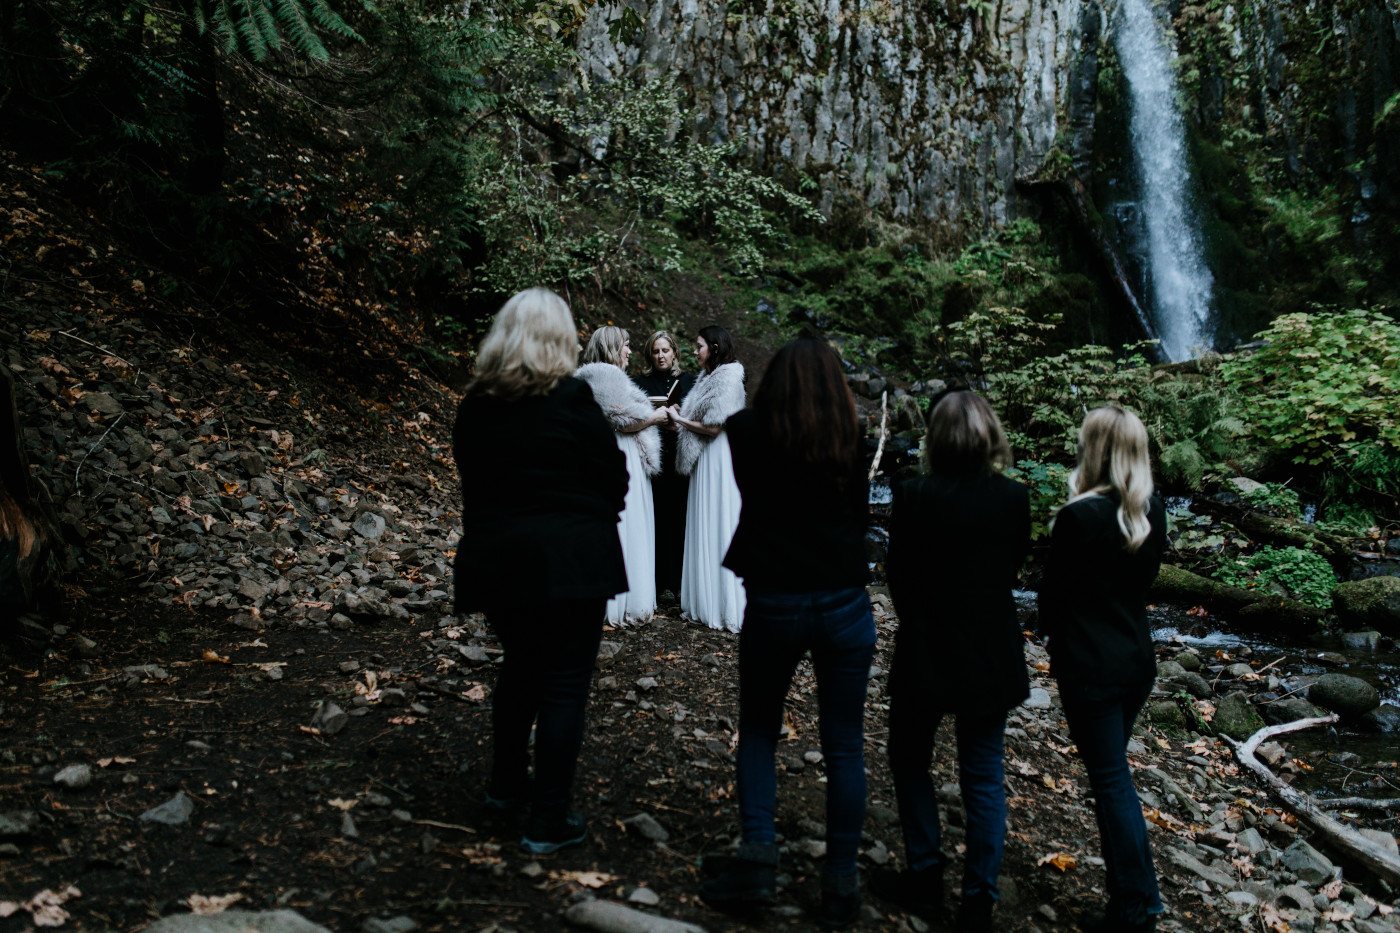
(634, 422)
(710, 592)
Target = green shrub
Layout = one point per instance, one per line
(1306, 576)
(1325, 387)
(1275, 497)
(1048, 485)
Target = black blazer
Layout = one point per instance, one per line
(543, 483)
(660, 384)
(957, 544)
(799, 531)
(1093, 595)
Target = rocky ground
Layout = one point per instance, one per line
(252, 693)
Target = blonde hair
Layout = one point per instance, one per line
(605, 346)
(675, 352)
(965, 436)
(1113, 458)
(14, 523)
(531, 347)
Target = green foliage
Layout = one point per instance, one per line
(1040, 398)
(1193, 423)
(1306, 576)
(1049, 487)
(1348, 518)
(640, 172)
(257, 28)
(1275, 497)
(1325, 388)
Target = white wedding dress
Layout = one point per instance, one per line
(710, 593)
(637, 529)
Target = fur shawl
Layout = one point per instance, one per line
(714, 398)
(624, 403)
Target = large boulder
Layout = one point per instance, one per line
(1344, 695)
(1382, 719)
(237, 921)
(1373, 603)
(1237, 717)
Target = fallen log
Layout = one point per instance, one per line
(1360, 803)
(884, 434)
(1366, 852)
(1282, 532)
(1251, 608)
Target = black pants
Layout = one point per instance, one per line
(550, 650)
(669, 491)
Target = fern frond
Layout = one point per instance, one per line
(330, 21)
(267, 25)
(299, 31)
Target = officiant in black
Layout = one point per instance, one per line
(664, 380)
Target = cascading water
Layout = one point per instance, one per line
(1180, 279)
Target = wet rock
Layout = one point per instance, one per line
(174, 812)
(1201, 870)
(18, 823)
(611, 917)
(1291, 709)
(369, 525)
(400, 924)
(1344, 694)
(348, 829)
(237, 921)
(1373, 603)
(1250, 842)
(1189, 660)
(1382, 719)
(1039, 699)
(644, 896)
(1237, 717)
(1166, 714)
(1362, 641)
(74, 777)
(1236, 671)
(1311, 866)
(645, 824)
(330, 719)
(1194, 684)
(1383, 839)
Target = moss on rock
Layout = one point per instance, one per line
(1374, 603)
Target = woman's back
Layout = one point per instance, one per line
(1093, 594)
(957, 544)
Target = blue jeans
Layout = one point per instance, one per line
(779, 628)
(1101, 722)
(550, 649)
(980, 738)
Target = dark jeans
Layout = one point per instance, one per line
(1101, 722)
(913, 724)
(550, 650)
(779, 628)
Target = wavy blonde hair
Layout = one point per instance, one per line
(1113, 458)
(605, 346)
(675, 352)
(531, 347)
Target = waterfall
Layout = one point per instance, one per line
(1180, 280)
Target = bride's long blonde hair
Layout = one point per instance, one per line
(1113, 458)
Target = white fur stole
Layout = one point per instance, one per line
(623, 404)
(714, 398)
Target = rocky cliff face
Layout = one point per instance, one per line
(929, 109)
(926, 109)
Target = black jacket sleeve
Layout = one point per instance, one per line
(1057, 581)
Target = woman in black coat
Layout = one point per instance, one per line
(1105, 550)
(958, 538)
(543, 482)
(669, 488)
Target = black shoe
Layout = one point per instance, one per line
(975, 914)
(545, 835)
(840, 901)
(746, 880)
(917, 892)
(1113, 922)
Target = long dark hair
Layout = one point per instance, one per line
(721, 346)
(805, 406)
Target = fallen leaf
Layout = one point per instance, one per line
(255, 643)
(402, 720)
(1338, 914)
(476, 694)
(1061, 860)
(1331, 890)
(211, 656)
(589, 879)
(202, 906)
(115, 760)
(341, 803)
